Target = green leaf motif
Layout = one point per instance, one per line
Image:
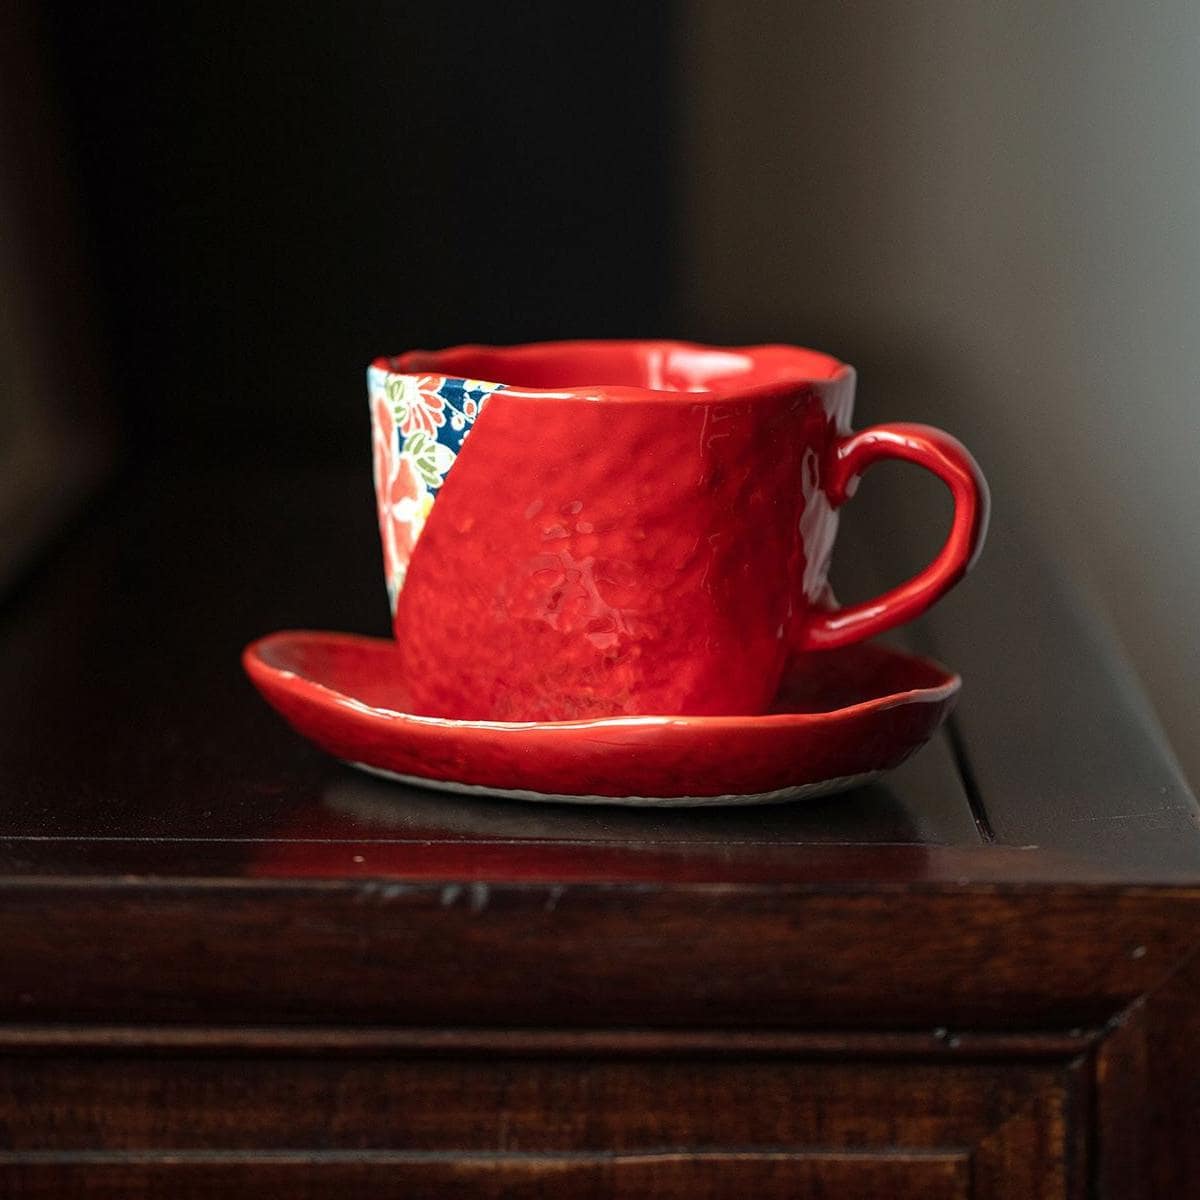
(394, 389)
(429, 456)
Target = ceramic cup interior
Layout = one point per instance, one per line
(653, 366)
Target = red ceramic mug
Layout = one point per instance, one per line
(588, 529)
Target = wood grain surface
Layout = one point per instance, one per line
(231, 967)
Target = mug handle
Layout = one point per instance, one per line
(952, 463)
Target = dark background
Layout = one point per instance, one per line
(276, 193)
(212, 216)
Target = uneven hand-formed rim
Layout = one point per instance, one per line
(594, 369)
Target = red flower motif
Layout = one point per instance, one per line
(406, 518)
(383, 460)
(383, 436)
(402, 497)
(424, 409)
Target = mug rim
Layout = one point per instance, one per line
(764, 368)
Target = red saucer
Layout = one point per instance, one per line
(852, 714)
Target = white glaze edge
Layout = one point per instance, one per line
(798, 791)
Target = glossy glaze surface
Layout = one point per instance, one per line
(635, 527)
(853, 713)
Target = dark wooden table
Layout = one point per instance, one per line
(230, 966)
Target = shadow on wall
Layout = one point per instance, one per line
(992, 210)
(279, 194)
(56, 441)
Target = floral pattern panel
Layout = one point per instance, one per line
(418, 426)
